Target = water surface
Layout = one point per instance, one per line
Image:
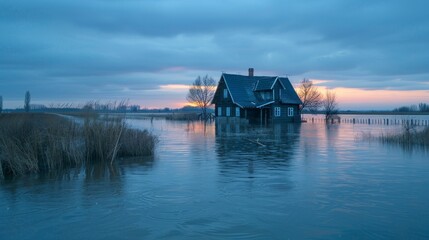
(229, 181)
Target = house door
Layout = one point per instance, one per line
(267, 115)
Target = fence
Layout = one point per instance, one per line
(391, 120)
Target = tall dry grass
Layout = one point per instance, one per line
(182, 116)
(32, 143)
(408, 137)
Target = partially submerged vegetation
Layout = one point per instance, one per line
(33, 143)
(312, 100)
(183, 116)
(408, 137)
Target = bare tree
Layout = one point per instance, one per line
(310, 95)
(1, 104)
(27, 101)
(330, 105)
(201, 93)
(423, 107)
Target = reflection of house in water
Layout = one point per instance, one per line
(245, 147)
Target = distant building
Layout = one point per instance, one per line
(261, 99)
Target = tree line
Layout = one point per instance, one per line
(421, 107)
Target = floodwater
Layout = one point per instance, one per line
(228, 181)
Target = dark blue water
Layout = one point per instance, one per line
(233, 182)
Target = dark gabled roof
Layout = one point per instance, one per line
(265, 83)
(242, 89)
(289, 94)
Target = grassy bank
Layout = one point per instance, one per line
(32, 143)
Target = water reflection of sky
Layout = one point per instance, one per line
(236, 182)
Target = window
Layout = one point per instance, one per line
(225, 93)
(228, 111)
(267, 95)
(280, 94)
(290, 112)
(219, 111)
(237, 112)
(277, 111)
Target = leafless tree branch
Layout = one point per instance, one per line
(310, 95)
(202, 92)
(330, 105)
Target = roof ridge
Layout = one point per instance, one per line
(256, 86)
(234, 74)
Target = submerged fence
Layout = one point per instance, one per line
(385, 120)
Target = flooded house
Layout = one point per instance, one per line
(256, 99)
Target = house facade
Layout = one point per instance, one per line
(258, 99)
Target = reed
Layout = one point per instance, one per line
(182, 117)
(33, 143)
(409, 136)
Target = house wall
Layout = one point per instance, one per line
(224, 106)
(283, 108)
(253, 115)
(223, 102)
(284, 113)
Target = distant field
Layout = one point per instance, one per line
(169, 116)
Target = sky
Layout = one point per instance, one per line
(373, 54)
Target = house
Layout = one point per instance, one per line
(262, 99)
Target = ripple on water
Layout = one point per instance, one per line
(308, 182)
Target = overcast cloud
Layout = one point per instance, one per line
(89, 50)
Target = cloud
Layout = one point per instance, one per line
(82, 49)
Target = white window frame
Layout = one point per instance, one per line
(225, 93)
(219, 111)
(290, 111)
(277, 111)
(237, 111)
(228, 111)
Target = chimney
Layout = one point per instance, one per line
(251, 71)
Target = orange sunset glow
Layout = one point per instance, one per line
(354, 98)
(175, 87)
(348, 98)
